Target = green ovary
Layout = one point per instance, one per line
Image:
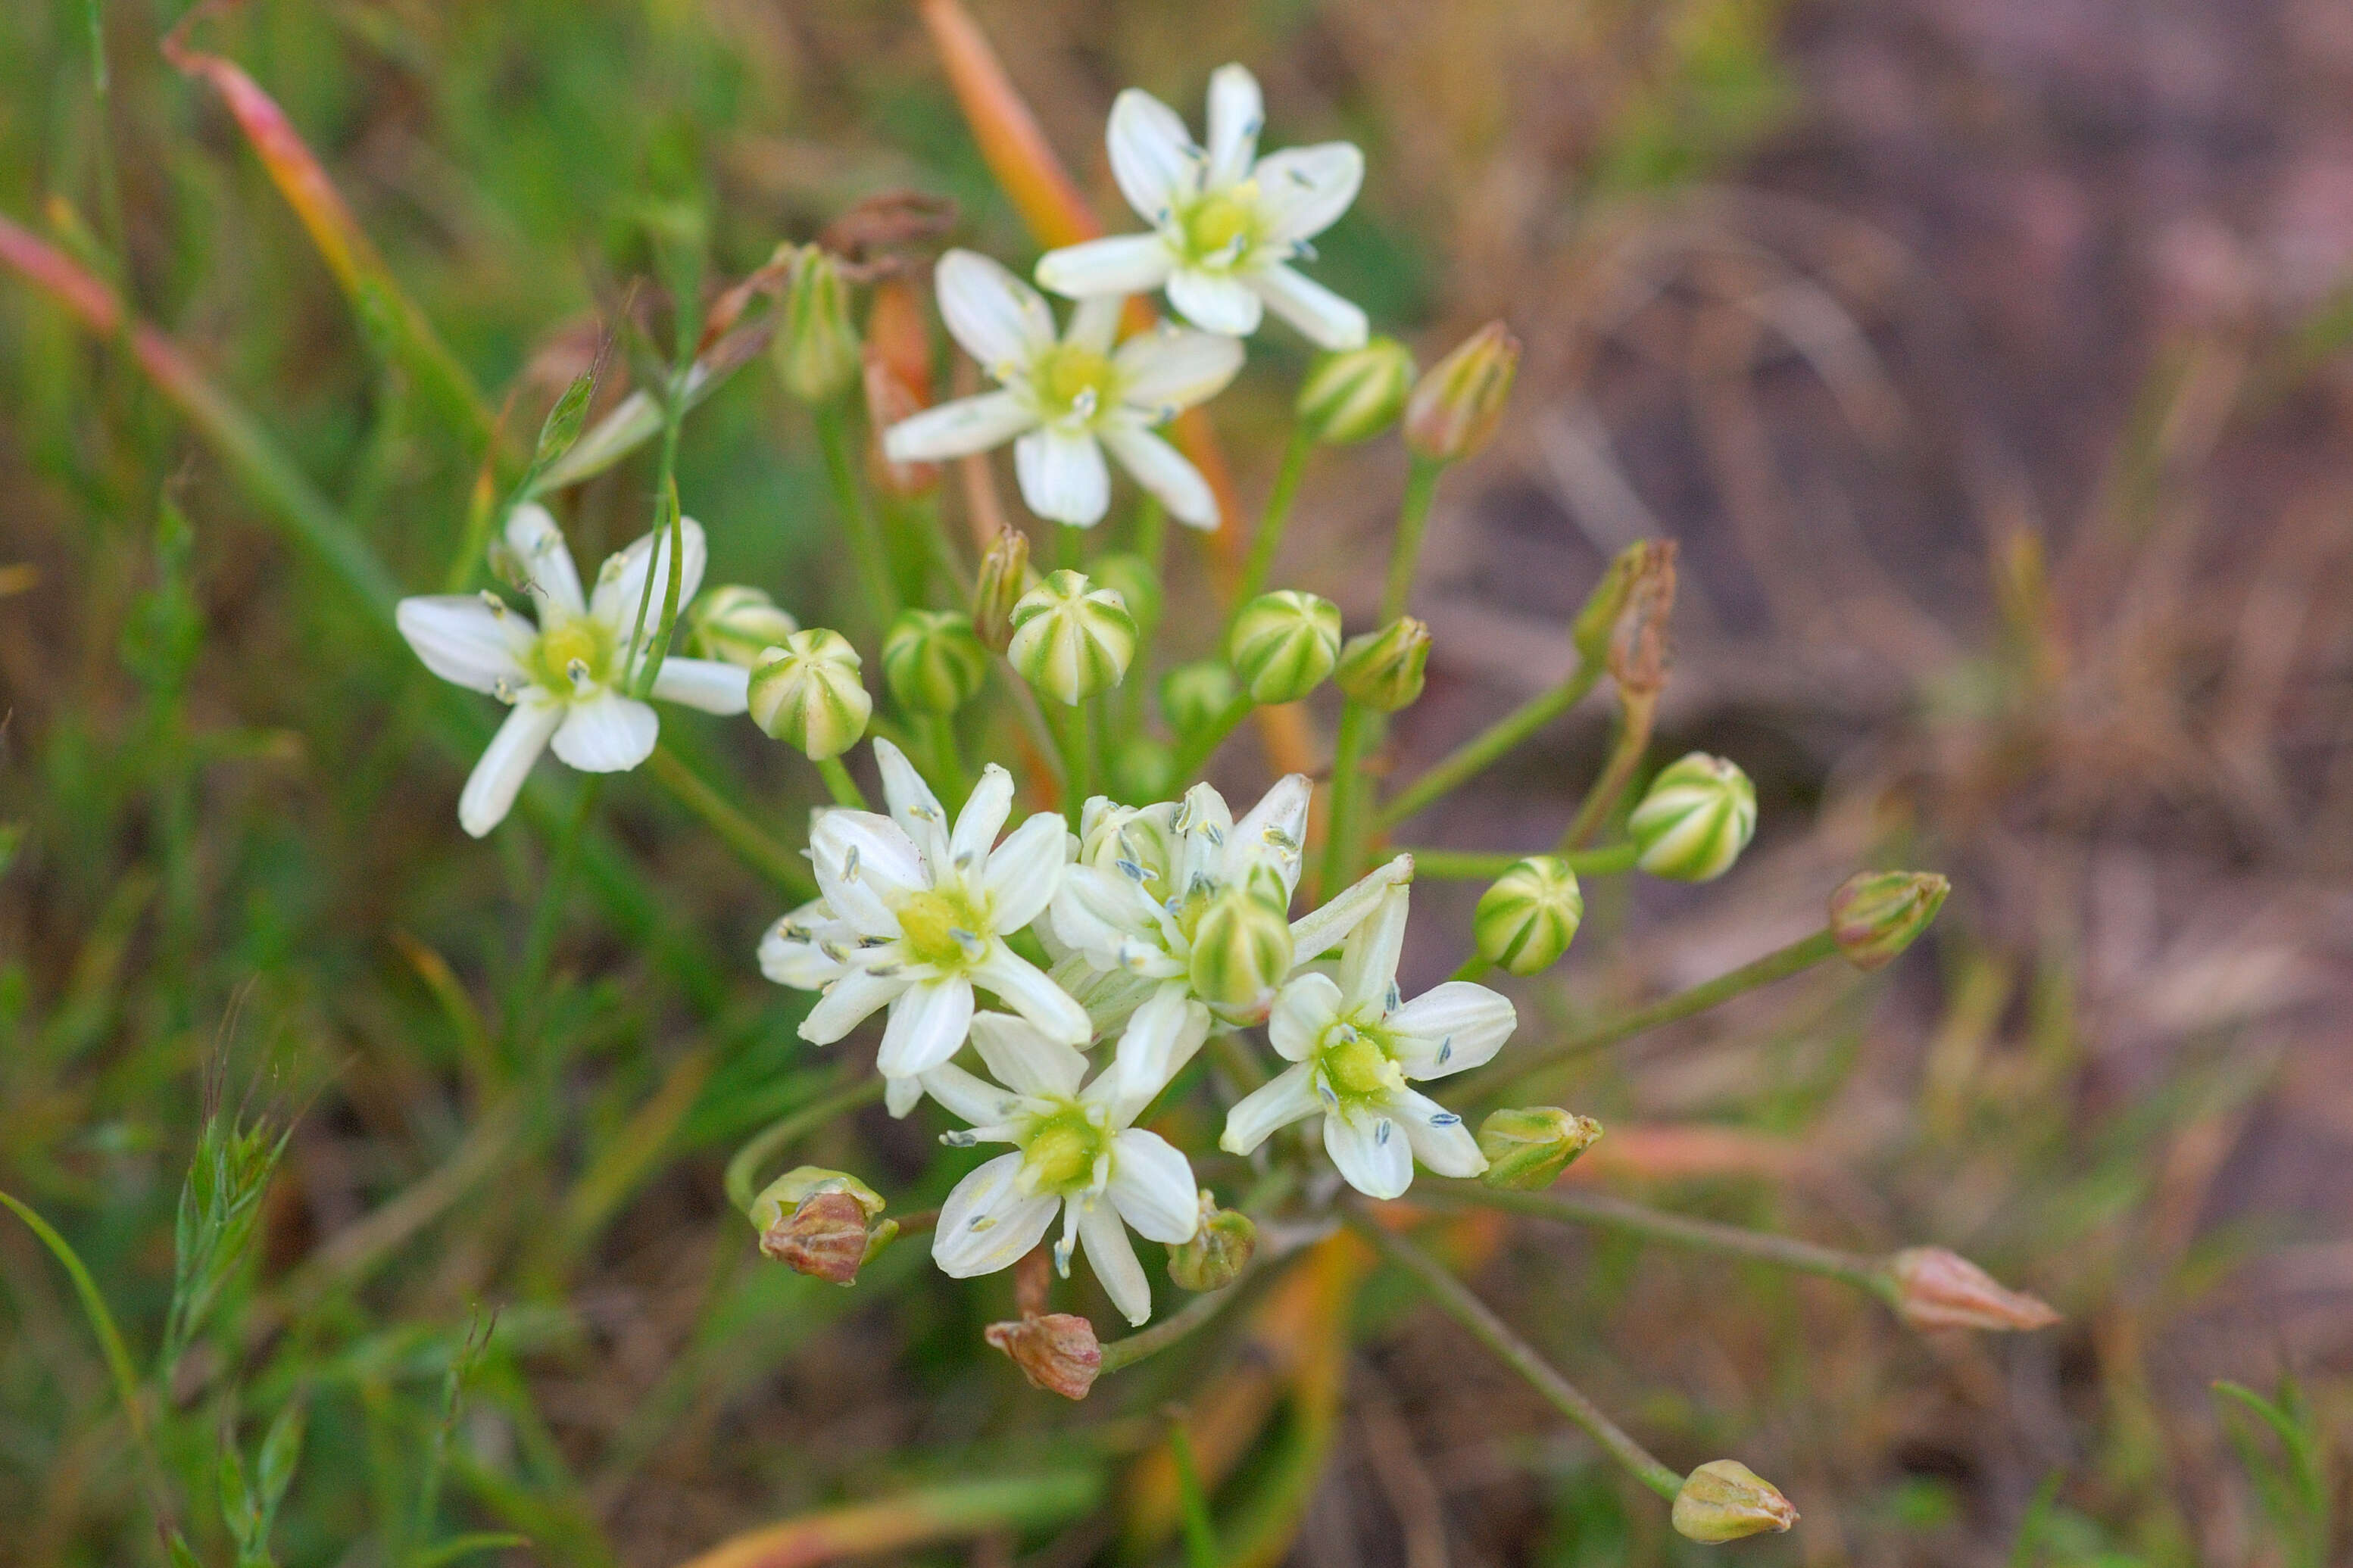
(1060, 1155)
(936, 926)
(1069, 379)
(1215, 222)
(1355, 1067)
(583, 642)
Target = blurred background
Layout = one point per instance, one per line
(1983, 357)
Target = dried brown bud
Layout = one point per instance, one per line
(1937, 1289)
(1724, 1500)
(1056, 1352)
(1004, 577)
(825, 1236)
(1639, 648)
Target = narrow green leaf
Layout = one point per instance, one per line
(94, 1307)
(458, 1546)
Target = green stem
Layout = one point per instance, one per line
(1803, 953)
(739, 832)
(1197, 748)
(1070, 726)
(1150, 541)
(866, 543)
(1272, 521)
(840, 784)
(1481, 752)
(1454, 1298)
(1413, 520)
(1200, 1535)
(742, 1181)
(1474, 967)
(1485, 866)
(1344, 843)
(1638, 709)
(539, 948)
(948, 772)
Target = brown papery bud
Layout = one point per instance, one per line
(1459, 401)
(826, 1236)
(1003, 579)
(1639, 648)
(1724, 1500)
(1937, 1288)
(1056, 1352)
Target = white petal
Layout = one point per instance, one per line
(902, 1095)
(466, 642)
(1112, 1258)
(1288, 1097)
(1237, 111)
(608, 734)
(865, 867)
(704, 683)
(971, 1097)
(1025, 871)
(1152, 155)
(1271, 833)
(1369, 962)
(1329, 320)
(1306, 1006)
(1214, 302)
(959, 428)
(1022, 987)
(1063, 476)
(1153, 1187)
(1170, 368)
(1314, 935)
(1094, 322)
(1161, 1036)
(548, 575)
(914, 806)
(1440, 1140)
(928, 1024)
(491, 788)
(987, 1224)
(1001, 321)
(1165, 472)
(1372, 1152)
(1303, 191)
(1125, 264)
(1092, 913)
(983, 816)
(849, 1001)
(793, 951)
(621, 582)
(1451, 1028)
(1024, 1060)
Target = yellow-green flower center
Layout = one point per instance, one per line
(1217, 220)
(1064, 1147)
(1355, 1067)
(1071, 379)
(572, 653)
(942, 928)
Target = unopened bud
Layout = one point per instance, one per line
(1527, 1149)
(1935, 1288)
(1071, 639)
(1458, 402)
(1145, 769)
(815, 346)
(1056, 1352)
(1875, 915)
(1697, 816)
(1383, 669)
(1528, 918)
(1241, 952)
(1590, 632)
(807, 694)
(737, 625)
(1134, 579)
(1193, 696)
(817, 1222)
(1284, 644)
(1724, 1500)
(1004, 578)
(1221, 1248)
(1356, 396)
(932, 661)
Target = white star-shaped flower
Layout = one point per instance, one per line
(1226, 224)
(566, 676)
(1064, 401)
(1355, 1046)
(1075, 1152)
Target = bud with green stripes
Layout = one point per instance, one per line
(932, 661)
(1354, 396)
(1071, 639)
(737, 625)
(807, 694)
(1697, 818)
(1383, 669)
(1528, 918)
(1284, 644)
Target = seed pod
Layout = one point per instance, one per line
(1056, 1352)
(1241, 952)
(816, 1221)
(1221, 1248)
(1284, 644)
(1935, 1288)
(1724, 1500)
(1192, 696)
(1071, 639)
(817, 347)
(1383, 669)
(1135, 580)
(1356, 396)
(1527, 1149)
(737, 625)
(932, 661)
(1458, 402)
(1004, 577)
(807, 694)
(1875, 915)
(1528, 918)
(1697, 816)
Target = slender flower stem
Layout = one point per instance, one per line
(1454, 1298)
(1474, 967)
(1199, 747)
(1129, 1349)
(1779, 964)
(866, 542)
(742, 1181)
(1272, 522)
(1481, 752)
(1343, 840)
(1150, 541)
(539, 946)
(938, 730)
(1638, 709)
(740, 834)
(1413, 520)
(1070, 725)
(1485, 866)
(840, 784)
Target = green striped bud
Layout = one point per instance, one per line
(1526, 920)
(1356, 396)
(1221, 1248)
(1875, 915)
(932, 661)
(737, 625)
(1145, 769)
(1697, 818)
(1241, 952)
(1004, 577)
(1527, 1149)
(1192, 696)
(1071, 639)
(1383, 669)
(807, 694)
(817, 347)
(1724, 1500)
(1134, 579)
(1458, 402)
(1284, 644)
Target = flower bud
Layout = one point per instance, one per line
(1192, 696)
(737, 625)
(1724, 1500)
(1134, 579)
(1004, 578)
(932, 661)
(1383, 670)
(1356, 396)
(1241, 952)
(1056, 1352)
(1527, 1149)
(1071, 639)
(1221, 1248)
(1934, 1289)
(1697, 816)
(1284, 644)
(816, 1221)
(1456, 405)
(1589, 633)
(1875, 915)
(807, 694)
(815, 346)
(1145, 769)
(1528, 918)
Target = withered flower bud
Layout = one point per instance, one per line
(1724, 1500)
(1933, 1288)
(1056, 1352)
(1221, 1248)
(814, 1221)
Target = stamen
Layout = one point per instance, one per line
(1446, 1119)
(1445, 1050)
(849, 865)
(958, 1139)
(1381, 1137)
(1393, 998)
